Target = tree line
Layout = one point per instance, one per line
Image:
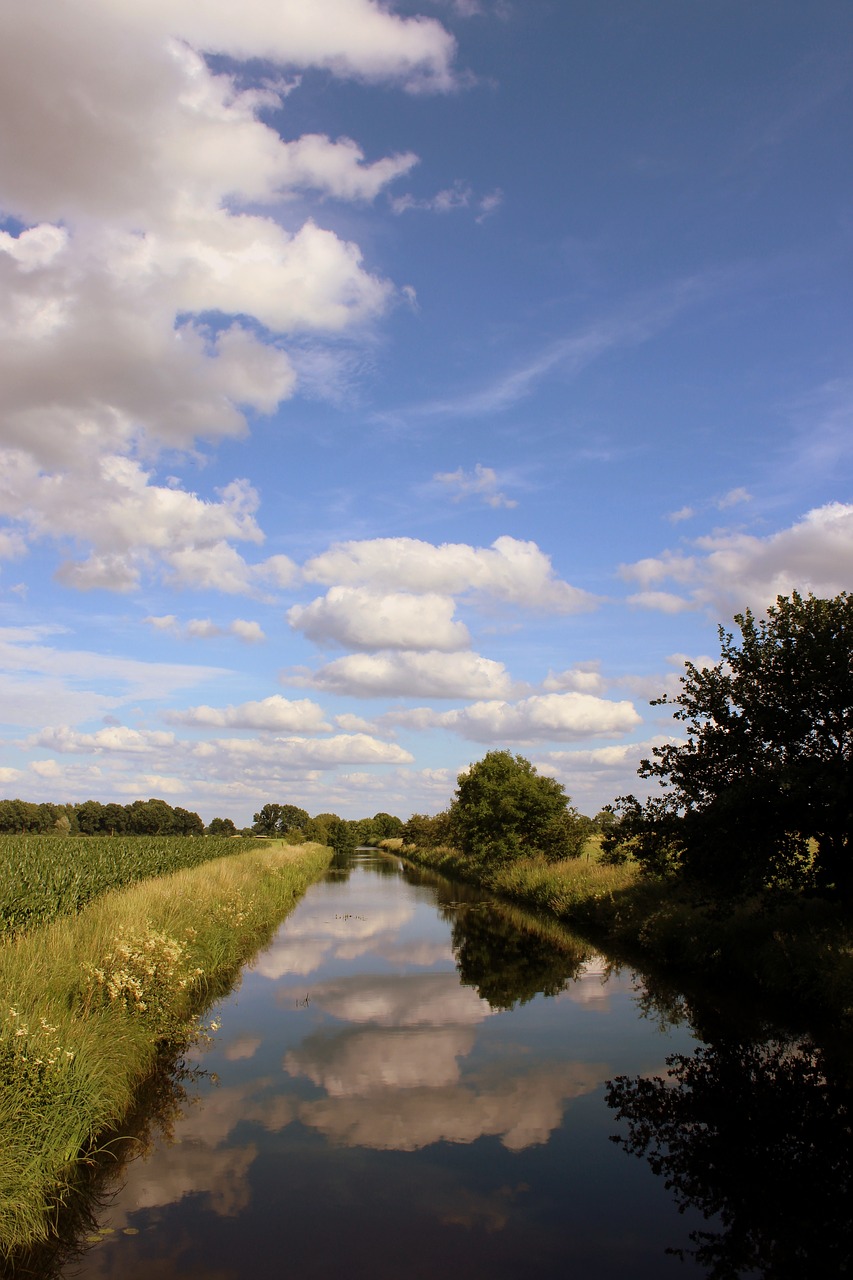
(91, 818)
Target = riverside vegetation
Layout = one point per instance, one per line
(741, 867)
(95, 996)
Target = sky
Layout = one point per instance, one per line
(381, 385)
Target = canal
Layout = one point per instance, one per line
(414, 1081)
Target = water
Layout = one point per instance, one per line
(411, 1081)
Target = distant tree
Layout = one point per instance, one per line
(221, 827)
(90, 818)
(186, 823)
(428, 831)
(386, 826)
(503, 809)
(152, 817)
(761, 793)
(115, 820)
(292, 818)
(266, 820)
(321, 828)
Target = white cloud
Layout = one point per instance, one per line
(729, 571)
(412, 675)
(556, 716)
(663, 601)
(206, 629)
(583, 677)
(114, 739)
(140, 176)
(273, 714)
(481, 482)
(344, 748)
(247, 631)
(511, 570)
(357, 618)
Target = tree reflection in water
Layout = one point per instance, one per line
(509, 959)
(758, 1136)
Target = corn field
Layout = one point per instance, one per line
(45, 876)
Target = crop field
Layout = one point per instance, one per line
(45, 876)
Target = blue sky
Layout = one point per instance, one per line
(382, 385)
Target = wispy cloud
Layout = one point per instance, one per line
(636, 322)
(482, 482)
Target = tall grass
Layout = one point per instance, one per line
(44, 876)
(90, 1000)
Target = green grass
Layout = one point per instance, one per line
(45, 876)
(89, 1001)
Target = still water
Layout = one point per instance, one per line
(412, 1081)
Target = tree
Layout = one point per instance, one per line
(428, 831)
(761, 793)
(292, 818)
(221, 827)
(503, 809)
(386, 826)
(267, 820)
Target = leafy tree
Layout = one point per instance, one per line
(221, 827)
(292, 818)
(761, 793)
(427, 831)
(503, 809)
(321, 828)
(267, 820)
(386, 826)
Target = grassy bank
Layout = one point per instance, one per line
(45, 876)
(90, 1000)
(785, 946)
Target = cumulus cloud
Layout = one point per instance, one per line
(556, 716)
(511, 571)
(140, 179)
(481, 482)
(728, 571)
(583, 677)
(407, 674)
(274, 714)
(358, 618)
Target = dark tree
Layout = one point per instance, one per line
(267, 820)
(221, 827)
(761, 793)
(292, 818)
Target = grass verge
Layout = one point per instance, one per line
(91, 1000)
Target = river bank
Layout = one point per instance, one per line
(785, 947)
(92, 1000)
